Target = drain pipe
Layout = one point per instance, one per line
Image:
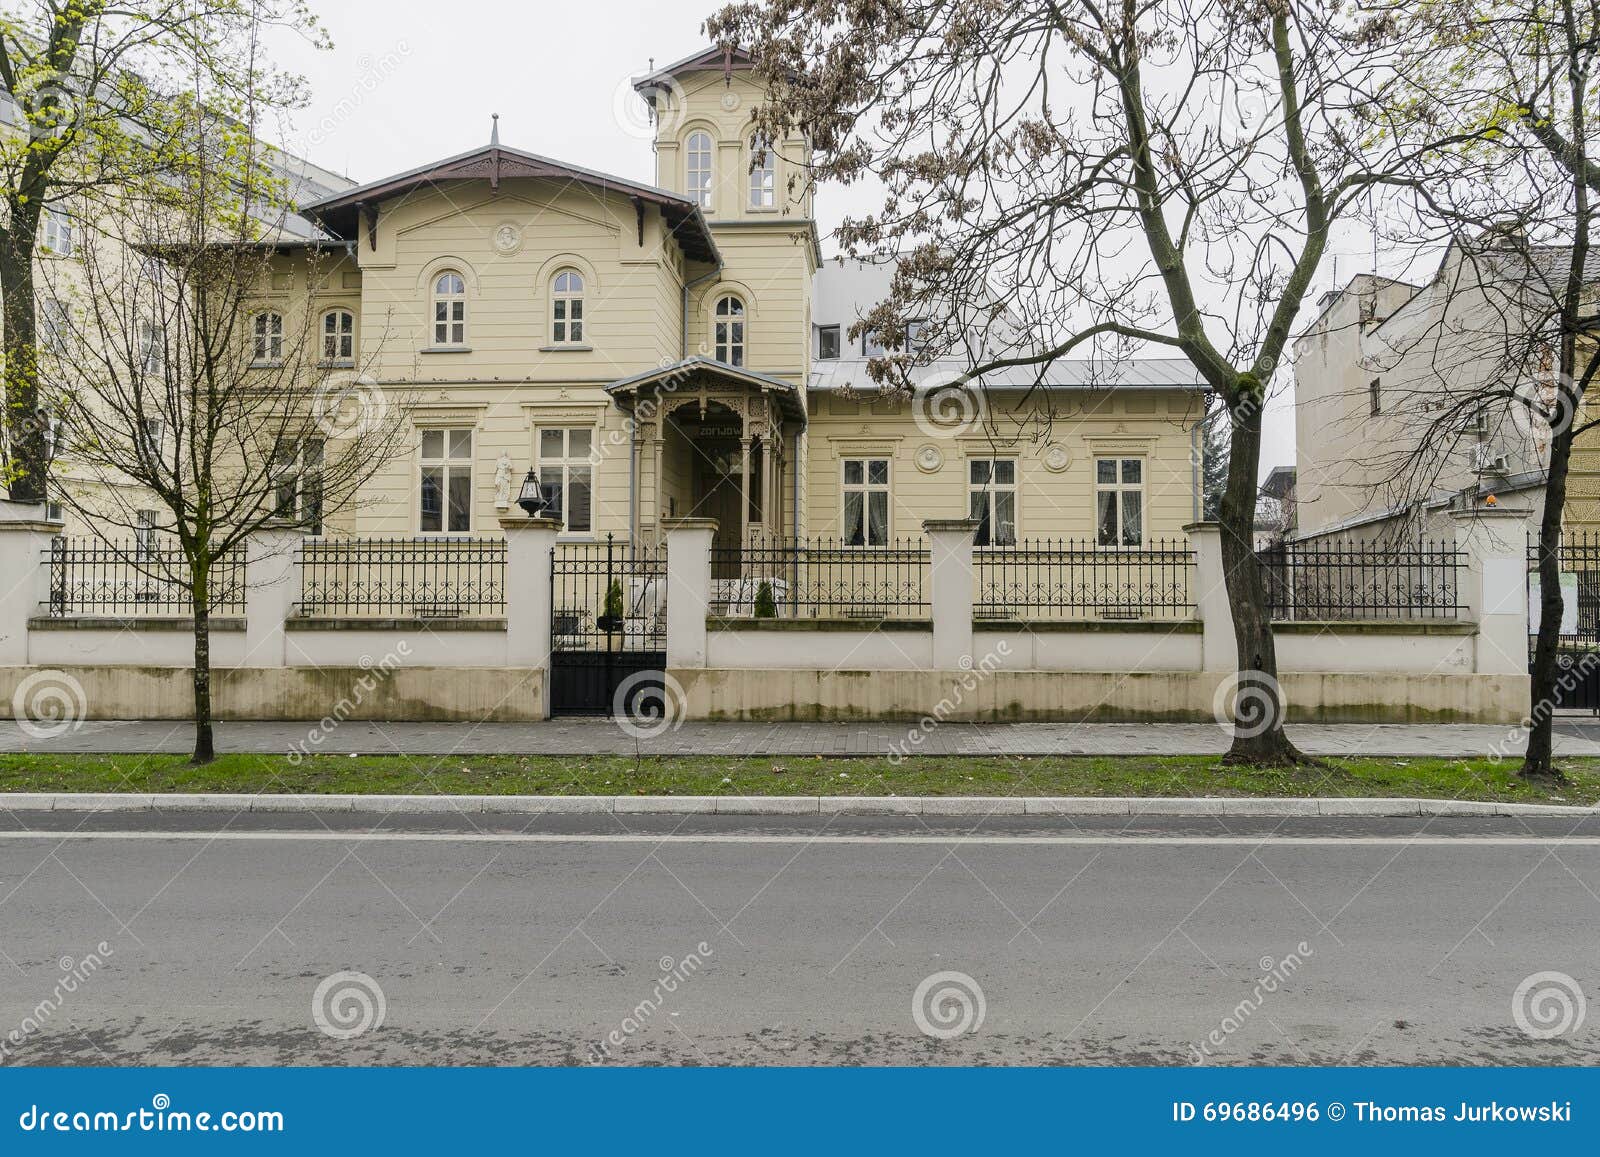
(1196, 466)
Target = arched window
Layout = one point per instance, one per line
(268, 334)
(449, 309)
(338, 336)
(728, 333)
(566, 308)
(763, 175)
(698, 160)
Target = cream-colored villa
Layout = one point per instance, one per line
(681, 349)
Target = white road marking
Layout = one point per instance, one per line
(933, 840)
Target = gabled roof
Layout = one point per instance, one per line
(715, 57)
(494, 162)
(699, 364)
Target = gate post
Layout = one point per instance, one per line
(529, 542)
(26, 533)
(688, 588)
(950, 595)
(1494, 585)
(1218, 649)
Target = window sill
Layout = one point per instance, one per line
(445, 349)
(763, 210)
(337, 364)
(267, 364)
(566, 348)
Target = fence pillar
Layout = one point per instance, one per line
(270, 591)
(1494, 585)
(529, 542)
(1218, 649)
(688, 588)
(25, 535)
(950, 596)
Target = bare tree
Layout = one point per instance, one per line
(1514, 343)
(174, 391)
(99, 97)
(1063, 177)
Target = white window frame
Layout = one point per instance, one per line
(990, 489)
(339, 339)
(153, 434)
(730, 346)
(763, 175)
(568, 324)
(298, 469)
(699, 167)
(144, 535)
(563, 464)
(1119, 488)
(866, 487)
(57, 233)
(266, 338)
(451, 465)
(54, 323)
(449, 332)
(152, 351)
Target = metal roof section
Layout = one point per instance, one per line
(1078, 374)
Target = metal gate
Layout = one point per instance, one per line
(608, 627)
(1577, 686)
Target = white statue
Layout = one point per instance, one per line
(502, 482)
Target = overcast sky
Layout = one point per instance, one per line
(409, 82)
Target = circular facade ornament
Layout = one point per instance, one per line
(730, 101)
(929, 459)
(507, 238)
(1056, 458)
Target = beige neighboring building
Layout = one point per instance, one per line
(681, 349)
(1375, 371)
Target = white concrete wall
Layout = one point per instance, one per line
(1047, 648)
(843, 647)
(135, 644)
(345, 644)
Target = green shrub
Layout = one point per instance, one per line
(766, 605)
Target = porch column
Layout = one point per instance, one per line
(950, 576)
(529, 542)
(658, 490)
(688, 588)
(744, 485)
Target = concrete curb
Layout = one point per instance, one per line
(780, 805)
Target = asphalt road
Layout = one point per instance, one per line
(802, 941)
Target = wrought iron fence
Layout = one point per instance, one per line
(1578, 556)
(1341, 579)
(608, 596)
(144, 576)
(1043, 579)
(817, 578)
(429, 578)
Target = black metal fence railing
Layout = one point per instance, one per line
(1578, 556)
(774, 577)
(608, 596)
(1043, 579)
(96, 576)
(425, 578)
(1339, 579)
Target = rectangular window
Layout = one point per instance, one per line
(566, 476)
(1119, 501)
(871, 347)
(152, 429)
(267, 343)
(56, 229)
(992, 500)
(144, 536)
(446, 484)
(827, 343)
(55, 324)
(866, 502)
(763, 176)
(298, 470)
(152, 353)
(1374, 396)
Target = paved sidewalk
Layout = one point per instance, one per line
(606, 737)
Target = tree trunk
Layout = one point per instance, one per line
(26, 464)
(1537, 762)
(204, 746)
(1258, 735)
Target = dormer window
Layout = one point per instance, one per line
(697, 159)
(566, 308)
(449, 309)
(728, 331)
